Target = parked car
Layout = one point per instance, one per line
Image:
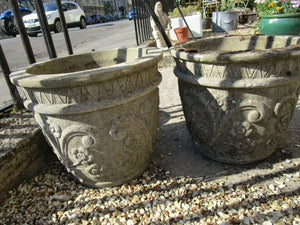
(7, 22)
(74, 16)
(98, 18)
(89, 20)
(130, 14)
(109, 17)
(133, 13)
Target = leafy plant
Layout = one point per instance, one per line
(185, 11)
(271, 7)
(108, 8)
(229, 5)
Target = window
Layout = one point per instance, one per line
(71, 6)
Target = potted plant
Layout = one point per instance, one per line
(278, 17)
(227, 18)
(192, 16)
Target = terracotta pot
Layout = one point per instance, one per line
(98, 110)
(182, 34)
(238, 94)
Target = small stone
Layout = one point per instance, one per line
(267, 223)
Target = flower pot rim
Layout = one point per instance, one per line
(288, 15)
(219, 57)
(226, 12)
(58, 80)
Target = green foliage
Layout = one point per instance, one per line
(108, 8)
(180, 2)
(271, 7)
(185, 11)
(121, 9)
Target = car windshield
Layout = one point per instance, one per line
(49, 7)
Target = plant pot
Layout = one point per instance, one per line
(206, 23)
(239, 95)
(182, 34)
(224, 21)
(283, 24)
(194, 22)
(98, 110)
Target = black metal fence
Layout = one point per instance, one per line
(141, 17)
(143, 32)
(26, 43)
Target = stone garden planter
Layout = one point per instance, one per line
(238, 93)
(99, 111)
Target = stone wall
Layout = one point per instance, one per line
(25, 161)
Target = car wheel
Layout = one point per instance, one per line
(82, 23)
(57, 26)
(33, 34)
(9, 27)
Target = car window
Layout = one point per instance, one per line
(50, 7)
(71, 6)
(64, 6)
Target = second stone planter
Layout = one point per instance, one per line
(238, 93)
(99, 111)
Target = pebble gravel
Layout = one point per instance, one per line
(156, 197)
(266, 193)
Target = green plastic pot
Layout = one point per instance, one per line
(283, 24)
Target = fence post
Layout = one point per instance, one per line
(64, 26)
(24, 37)
(45, 28)
(161, 29)
(18, 102)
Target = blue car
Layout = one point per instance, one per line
(130, 14)
(7, 23)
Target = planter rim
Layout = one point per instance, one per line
(221, 57)
(226, 12)
(85, 107)
(196, 14)
(58, 80)
(233, 83)
(287, 15)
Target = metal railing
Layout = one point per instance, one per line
(143, 30)
(27, 45)
(142, 10)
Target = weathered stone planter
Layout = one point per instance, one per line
(238, 93)
(98, 110)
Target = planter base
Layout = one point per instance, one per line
(237, 126)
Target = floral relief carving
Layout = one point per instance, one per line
(77, 146)
(221, 121)
(55, 129)
(82, 154)
(284, 112)
(131, 134)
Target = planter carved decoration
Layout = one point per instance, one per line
(98, 110)
(238, 93)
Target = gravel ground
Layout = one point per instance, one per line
(180, 186)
